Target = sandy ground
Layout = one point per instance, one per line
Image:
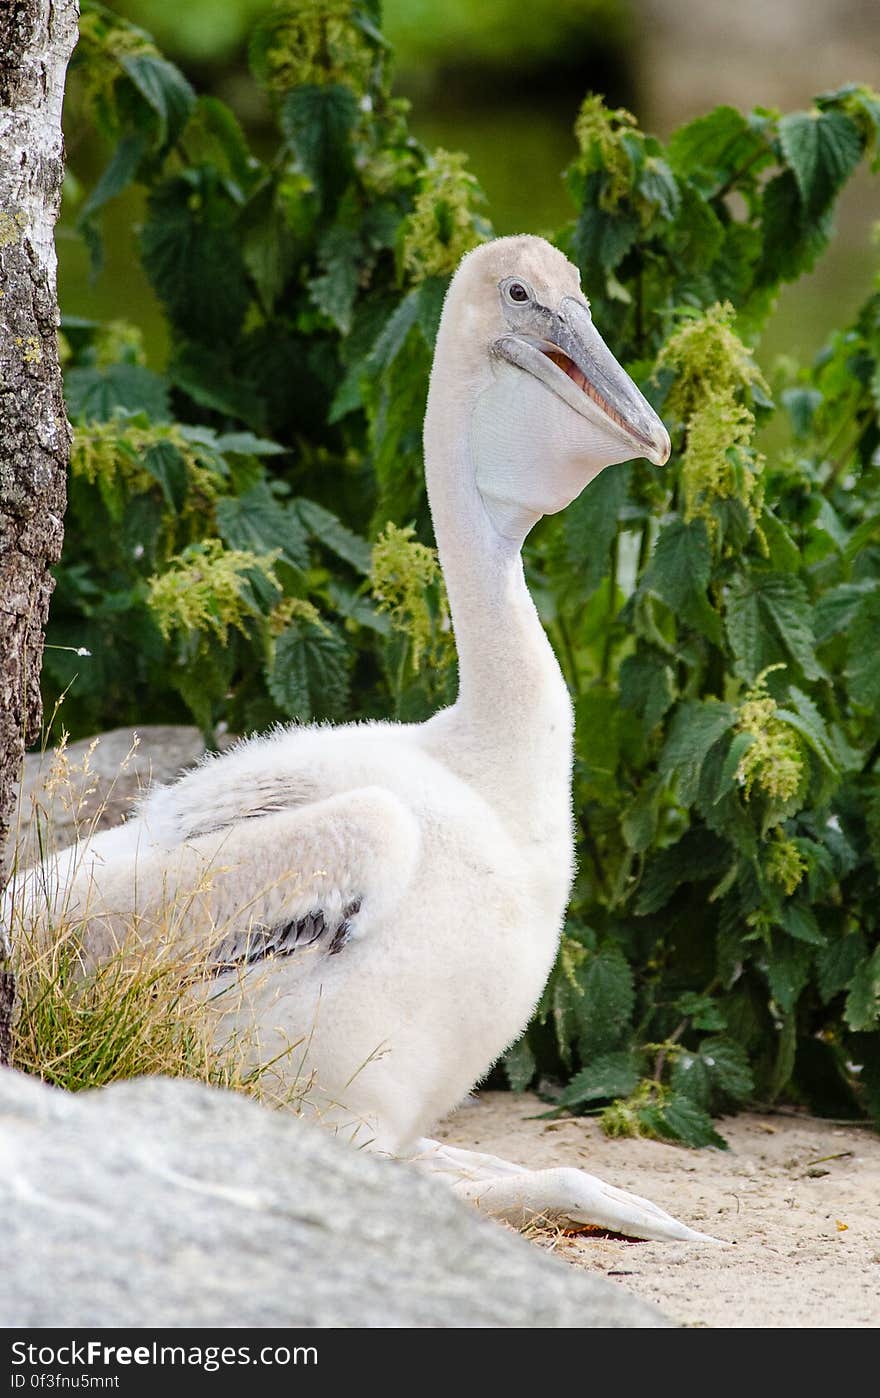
(797, 1199)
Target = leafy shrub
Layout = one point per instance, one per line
(716, 622)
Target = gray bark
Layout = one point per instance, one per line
(36, 41)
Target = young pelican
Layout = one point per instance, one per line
(395, 892)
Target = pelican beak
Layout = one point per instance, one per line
(570, 357)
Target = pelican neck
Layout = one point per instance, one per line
(513, 713)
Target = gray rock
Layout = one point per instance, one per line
(169, 1203)
(122, 764)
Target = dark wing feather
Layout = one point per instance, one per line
(258, 943)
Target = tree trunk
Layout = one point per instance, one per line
(36, 41)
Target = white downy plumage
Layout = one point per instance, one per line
(395, 892)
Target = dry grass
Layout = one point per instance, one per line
(144, 1010)
(136, 1014)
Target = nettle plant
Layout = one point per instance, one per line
(209, 571)
(248, 539)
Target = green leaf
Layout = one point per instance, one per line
(806, 719)
(730, 948)
(166, 465)
(395, 331)
(696, 727)
(267, 247)
(837, 963)
(702, 1010)
(597, 711)
(589, 526)
(318, 122)
(828, 523)
(657, 185)
(837, 608)
(247, 444)
(601, 240)
(822, 148)
(864, 653)
(786, 1052)
(432, 294)
(697, 857)
(97, 395)
(679, 571)
(792, 239)
(682, 1120)
(640, 819)
(202, 682)
(348, 395)
(560, 1000)
(164, 88)
(864, 534)
(860, 102)
(368, 19)
(718, 1070)
(820, 870)
(717, 144)
(800, 922)
(681, 562)
(519, 1065)
(309, 675)
(396, 398)
(646, 685)
(785, 556)
(729, 1067)
(787, 969)
(699, 233)
(207, 377)
(556, 1003)
(604, 1008)
(801, 404)
(844, 855)
(350, 605)
(323, 525)
(862, 1009)
(193, 259)
(691, 1078)
(739, 746)
(214, 136)
(257, 521)
(117, 175)
(334, 291)
(769, 620)
(608, 1076)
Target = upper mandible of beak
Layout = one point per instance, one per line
(603, 380)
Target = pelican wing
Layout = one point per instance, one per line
(313, 877)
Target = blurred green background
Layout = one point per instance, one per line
(502, 80)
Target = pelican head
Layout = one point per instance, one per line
(549, 406)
